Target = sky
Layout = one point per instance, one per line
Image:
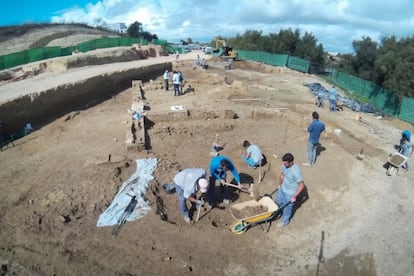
(334, 23)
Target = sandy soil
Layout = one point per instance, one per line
(57, 180)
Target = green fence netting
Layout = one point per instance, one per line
(35, 54)
(67, 51)
(28, 56)
(165, 45)
(359, 88)
(32, 55)
(108, 42)
(51, 52)
(298, 64)
(14, 59)
(294, 63)
(407, 110)
(268, 58)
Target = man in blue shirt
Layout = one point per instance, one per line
(253, 155)
(291, 184)
(219, 166)
(332, 99)
(315, 129)
(405, 147)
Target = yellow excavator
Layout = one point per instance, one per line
(223, 50)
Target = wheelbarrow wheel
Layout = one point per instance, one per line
(391, 170)
(239, 227)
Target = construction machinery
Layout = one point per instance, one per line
(224, 51)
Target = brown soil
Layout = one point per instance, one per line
(249, 211)
(57, 180)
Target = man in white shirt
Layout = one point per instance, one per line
(176, 83)
(188, 182)
(166, 79)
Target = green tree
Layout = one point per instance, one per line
(250, 41)
(346, 64)
(366, 54)
(136, 30)
(395, 66)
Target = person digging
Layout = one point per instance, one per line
(188, 182)
(219, 166)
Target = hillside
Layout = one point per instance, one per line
(20, 38)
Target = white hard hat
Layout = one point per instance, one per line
(203, 184)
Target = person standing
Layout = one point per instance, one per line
(315, 129)
(219, 166)
(253, 155)
(230, 63)
(332, 99)
(319, 99)
(177, 56)
(176, 83)
(197, 61)
(188, 182)
(181, 78)
(166, 79)
(405, 148)
(291, 184)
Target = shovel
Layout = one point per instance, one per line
(198, 211)
(249, 191)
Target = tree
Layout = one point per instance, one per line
(395, 66)
(389, 64)
(366, 54)
(285, 42)
(250, 40)
(136, 30)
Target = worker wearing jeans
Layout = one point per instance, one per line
(290, 186)
(188, 182)
(219, 166)
(405, 149)
(315, 129)
(332, 99)
(253, 156)
(176, 83)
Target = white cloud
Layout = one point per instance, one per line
(335, 23)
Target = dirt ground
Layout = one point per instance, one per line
(57, 180)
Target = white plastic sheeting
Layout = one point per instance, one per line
(137, 185)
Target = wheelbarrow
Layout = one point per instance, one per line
(395, 161)
(266, 211)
